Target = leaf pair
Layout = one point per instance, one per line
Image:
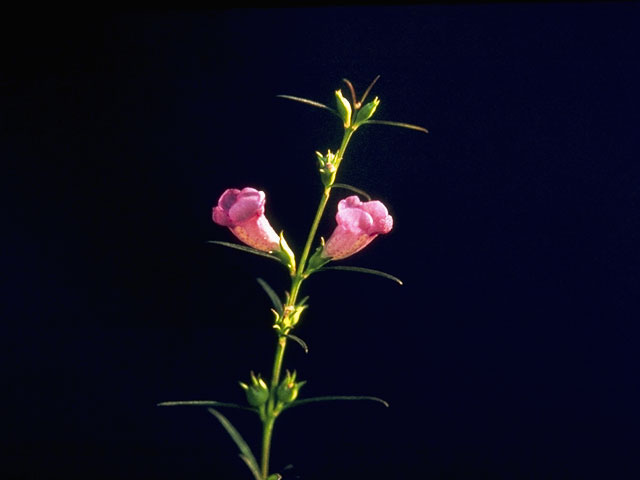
(379, 122)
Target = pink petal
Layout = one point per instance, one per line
(247, 205)
(354, 220)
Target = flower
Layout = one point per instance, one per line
(243, 212)
(358, 224)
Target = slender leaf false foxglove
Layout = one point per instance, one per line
(358, 223)
(243, 212)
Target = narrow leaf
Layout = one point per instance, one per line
(272, 295)
(313, 103)
(252, 467)
(364, 270)
(203, 403)
(366, 92)
(246, 453)
(299, 341)
(399, 124)
(331, 398)
(353, 189)
(245, 249)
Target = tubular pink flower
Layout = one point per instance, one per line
(243, 212)
(358, 224)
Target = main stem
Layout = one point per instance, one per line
(296, 281)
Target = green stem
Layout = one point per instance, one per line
(270, 418)
(323, 201)
(296, 282)
(267, 432)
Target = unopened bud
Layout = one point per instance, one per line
(258, 392)
(288, 389)
(344, 109)
(367, 111)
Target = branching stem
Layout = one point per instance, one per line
(296, 282)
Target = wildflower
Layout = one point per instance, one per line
(243, 212)
(358, 224)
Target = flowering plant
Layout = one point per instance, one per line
(358, 224)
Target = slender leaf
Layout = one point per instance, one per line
(313, 103)
(252, 467)
(299, 341)
(398, 124)
(364, 270)
(245, 249)
(331, 398)
(353, 189)
(366, 92)
(272, 295)
(246, 453)
(203, 403)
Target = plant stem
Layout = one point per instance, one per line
(323, 201)
(267, 432)
(296, 282)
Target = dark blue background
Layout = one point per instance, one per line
(510, 352)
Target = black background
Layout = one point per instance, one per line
(510, 352)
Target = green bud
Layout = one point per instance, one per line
(288, 389)
(258, 392)
(344, 109)
(367, 111)
(291, 317)
(327, 167)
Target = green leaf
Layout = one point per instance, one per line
(364, 270)
(244, 248)
(331, 398)
(246, 453)
(313, 103)
(253, 467)
(397, 124)
(299, 341)
(353, 189)
(274, 476)
(272, 295)
(203, 403)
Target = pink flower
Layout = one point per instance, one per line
(243, 212)
(358, 224)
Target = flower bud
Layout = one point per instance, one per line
(258, 392)
(344, 109)
(288, 389)
(367, 111)
(327, 167)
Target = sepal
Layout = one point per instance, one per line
(317, 260)
(285, 254)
